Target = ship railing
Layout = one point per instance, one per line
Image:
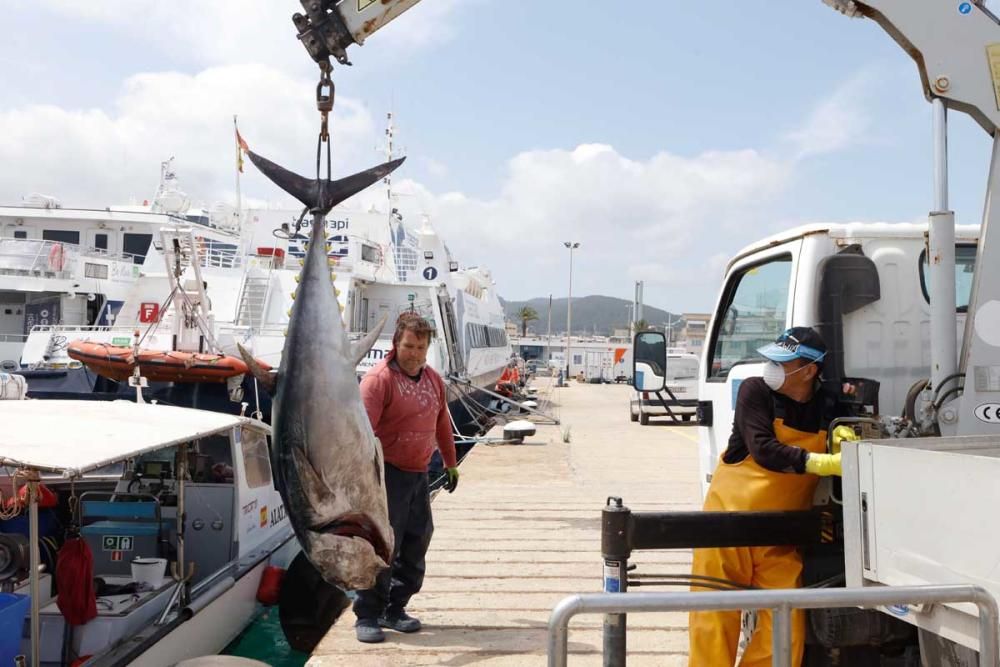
(245, 331)
(50, 259)
(219, 254)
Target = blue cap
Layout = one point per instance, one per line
(795, 343)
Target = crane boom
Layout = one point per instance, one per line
(956, 46)
(328, 27)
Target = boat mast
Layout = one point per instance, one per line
(389, 132)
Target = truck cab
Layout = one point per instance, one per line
(863, 286)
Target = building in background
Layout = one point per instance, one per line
(598, 358)
(691, 337)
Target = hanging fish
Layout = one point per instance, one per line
(328, 462)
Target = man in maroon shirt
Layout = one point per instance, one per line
(408, 409)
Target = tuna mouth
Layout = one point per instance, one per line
(359, 525)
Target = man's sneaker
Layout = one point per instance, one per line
(401, 622)
(367, 631)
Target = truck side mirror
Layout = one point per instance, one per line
(649, 361)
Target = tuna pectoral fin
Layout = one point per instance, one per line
(316, 491)
(267, 379)
(360, 349)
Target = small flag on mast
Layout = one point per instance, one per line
(241, 146)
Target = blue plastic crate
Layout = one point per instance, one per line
(13, 609)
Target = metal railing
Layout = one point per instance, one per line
(37, 257)
(781, 602)
(219, 254)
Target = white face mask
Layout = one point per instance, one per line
(774, 374)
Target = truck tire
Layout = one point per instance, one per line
(644, 418)
(686, 418)
(633, 416)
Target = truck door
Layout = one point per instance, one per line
(753, 308)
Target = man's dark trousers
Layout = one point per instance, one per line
(412, 526)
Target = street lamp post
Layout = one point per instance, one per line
(670, 327)
(572, 245)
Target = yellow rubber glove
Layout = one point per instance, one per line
(823, 465)
(840, 434)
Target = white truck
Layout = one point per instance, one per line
(910, 312)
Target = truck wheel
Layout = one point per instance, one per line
(644, 418)
(633, 417)
(686, 418)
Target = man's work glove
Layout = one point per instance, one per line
(452, 482)
(840, 434)
(823, 465)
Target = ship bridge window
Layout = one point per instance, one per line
(101, 241)
(21, 234)
(753, 311)
(480, 335)
(369, 253)
(61, 236)
(136, 245)
(255, 458)
(211, 460)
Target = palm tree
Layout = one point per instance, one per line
(526, 314)
(641, 325)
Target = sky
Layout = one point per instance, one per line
(662, 137)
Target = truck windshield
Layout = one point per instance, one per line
(752, 313)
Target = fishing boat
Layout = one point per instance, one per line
(177, 509)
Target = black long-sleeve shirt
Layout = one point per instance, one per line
(758, 410)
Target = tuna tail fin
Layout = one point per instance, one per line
(320, 195)
(360, 349)
(267, 379)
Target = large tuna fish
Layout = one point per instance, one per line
(327, 461)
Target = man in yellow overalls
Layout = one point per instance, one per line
(776, 454)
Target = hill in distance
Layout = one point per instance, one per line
(595, 314)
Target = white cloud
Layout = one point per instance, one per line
(634, 219)
(237, 31)
(97, 157)
(838, 122)
(671, 220)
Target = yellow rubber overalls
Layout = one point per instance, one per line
(746, 486)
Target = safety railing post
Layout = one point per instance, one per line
(615, 549)
(781, 636)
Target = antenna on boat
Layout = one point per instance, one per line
(390, 132)
(136, 379)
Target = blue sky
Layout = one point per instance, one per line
(663, 137)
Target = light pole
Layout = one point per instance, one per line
(669, 327)
(572, 245)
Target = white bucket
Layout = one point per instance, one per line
(148, 572)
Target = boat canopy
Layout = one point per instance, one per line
(74, 437)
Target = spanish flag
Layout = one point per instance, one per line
(241, 146)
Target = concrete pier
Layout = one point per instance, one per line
(522, 531)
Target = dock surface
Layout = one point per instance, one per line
(522, 531)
